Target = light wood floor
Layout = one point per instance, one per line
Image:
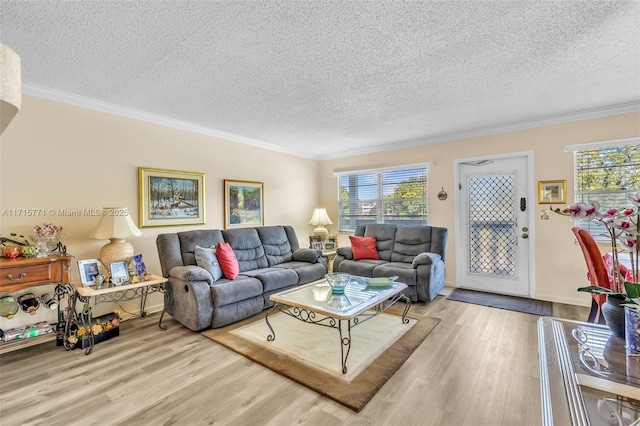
(478, 367)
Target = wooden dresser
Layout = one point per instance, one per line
(21, 273)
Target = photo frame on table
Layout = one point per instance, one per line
(329, 246)
(243, 204)
(552, 191)
(317, 245)
(89, 269)
(170, 197)
(139, 266)
(314, 239)
(119, 273)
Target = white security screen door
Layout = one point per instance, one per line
(494, 226)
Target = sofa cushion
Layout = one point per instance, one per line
(206, 258)
(225, 291)
(385, 236)
(276, 244)
(364, 247)
(228, 260)
(306, 272)
(202, 238)
(274, 278)
(248, 248)
(404, 271)
(361, 268)
(411, 241)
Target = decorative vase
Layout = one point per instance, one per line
(613, 312)
(46, 243)
(632, 327)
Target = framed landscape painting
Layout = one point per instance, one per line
(169, 197)
(243, 204)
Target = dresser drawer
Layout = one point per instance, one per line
(21, 275)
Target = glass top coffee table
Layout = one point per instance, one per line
(358, 304)
(587, 377)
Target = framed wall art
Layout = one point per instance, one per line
(169, 197)
(552, 191)
(243, 204)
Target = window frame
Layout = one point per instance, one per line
(380, 199)
(595, 228)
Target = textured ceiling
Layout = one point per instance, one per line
(324, 79)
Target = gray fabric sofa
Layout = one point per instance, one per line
(270, 260)
(415, 254)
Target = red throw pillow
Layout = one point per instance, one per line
(228, 260)
(364, 248)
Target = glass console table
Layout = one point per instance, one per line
(586, 375)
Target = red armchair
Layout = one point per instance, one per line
(597, 271)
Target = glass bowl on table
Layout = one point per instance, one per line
(338, 281)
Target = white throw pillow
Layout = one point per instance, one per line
(206, 258)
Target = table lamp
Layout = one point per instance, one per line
(319, 219)
(115, 225)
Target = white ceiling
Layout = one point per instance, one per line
(324, 79)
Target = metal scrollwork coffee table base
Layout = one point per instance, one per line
(299, 303)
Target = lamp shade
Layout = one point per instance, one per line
(115, 225)
(320, 217)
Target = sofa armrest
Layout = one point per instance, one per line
(191, 273)
(425, 259)
(345, 252)
(306, 255)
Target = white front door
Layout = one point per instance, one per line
(493, 225)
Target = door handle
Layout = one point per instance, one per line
(525, 235)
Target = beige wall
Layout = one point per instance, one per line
(57, 156)
(559, 266)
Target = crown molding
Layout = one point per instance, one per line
(83, 102)
(512, 127)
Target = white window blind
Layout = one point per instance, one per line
(606, 174)
(384, 196)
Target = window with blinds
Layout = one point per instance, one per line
(383, 196)
(606, 175)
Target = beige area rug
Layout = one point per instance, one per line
(310, 354)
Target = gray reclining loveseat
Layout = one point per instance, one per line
(415, 254)
(269, 258)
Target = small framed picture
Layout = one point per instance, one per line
(329, 246)
(316, 245)
(314, 239)
(119, 273)
(89, 270)
(139, 266)
(552, 191)
(332, 239)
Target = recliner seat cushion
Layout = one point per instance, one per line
(225, 292)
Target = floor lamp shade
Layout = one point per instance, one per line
(319, 219)
(115, 225)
